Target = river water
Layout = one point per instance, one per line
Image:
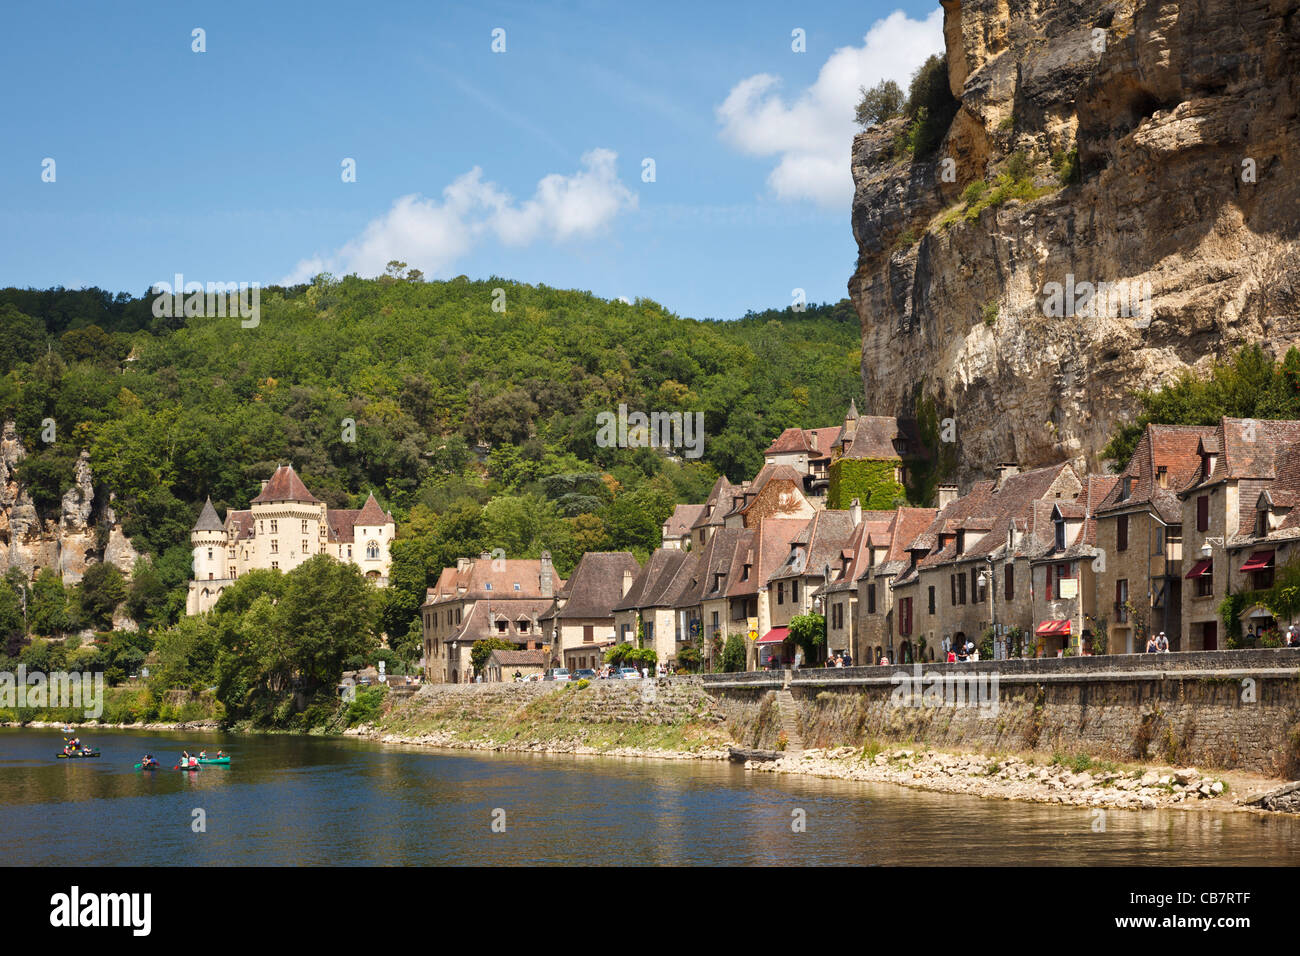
(303, 800)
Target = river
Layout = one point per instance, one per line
(306, 800)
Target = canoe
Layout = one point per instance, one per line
(141, 766)
(217, 760)
(187, 767)
(78, 755)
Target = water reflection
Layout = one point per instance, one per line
(302, 800)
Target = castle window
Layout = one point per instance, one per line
(275, 565)
(304, 546)
(304, 525)
(349, 552)
(209, 554)
(273, 526)
(275, 546)
(372, 550)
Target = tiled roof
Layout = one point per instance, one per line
(596, 584)
(652, 580)
(716, 505)
(791, 441)
(766, 551)
(999, 504)
(479, 623)
(821, 541)
(371, 515)
(503, 574)
(1172, 447)
(208, 520)
(709, 575)
(1250, 448)
(285, 485)
(241, 523)
(679, 523)
(519, 658)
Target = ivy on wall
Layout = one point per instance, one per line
(871, 481)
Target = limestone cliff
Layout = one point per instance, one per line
(82, 533)
(1184, 119)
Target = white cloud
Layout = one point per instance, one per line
(431, 235)
(812, 134)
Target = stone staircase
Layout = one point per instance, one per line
(789, 721)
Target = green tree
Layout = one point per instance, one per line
(808, 631)
(882, 102)
(102, 589)
(47, 610)
(482, 650)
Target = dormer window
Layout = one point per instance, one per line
(1060, 533)
(1126, 487)
(1162, 476)
(961, 542)
(1261, 523)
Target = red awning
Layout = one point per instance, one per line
(1258, 560)
(1199, 568)
(1053, 628)
(775, 636)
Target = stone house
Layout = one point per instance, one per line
(1237, 463)
(1140, 539)
(792, 585)
(648, 609)
(1269, 538)
(749, 610)
(715, 506)
(838, 596)
(943, 597)
(702, 604)
(1065, 606)
(677, 526)
(480, 598)
(283, 527)
(882, 557)
(871, 460)
(777, 491)
(579, 625)
(503, 665)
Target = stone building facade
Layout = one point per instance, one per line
(283, 527)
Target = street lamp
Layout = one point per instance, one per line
(986, 580)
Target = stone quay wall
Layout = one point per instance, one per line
(1223, 709)
(666, 701)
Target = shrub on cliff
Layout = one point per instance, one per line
(882, 102)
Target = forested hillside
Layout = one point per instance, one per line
(176, 409)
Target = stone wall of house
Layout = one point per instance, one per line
(1219, 709)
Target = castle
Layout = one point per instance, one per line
(284, 526)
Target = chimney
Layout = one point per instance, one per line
(627, 581)
(485, 555)
(946, 495)
(547, 575)
(1005, 470)
(265, 482)
(855, 512)
(462, 564)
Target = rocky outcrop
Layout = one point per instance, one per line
(79, 535)
(1183, 120)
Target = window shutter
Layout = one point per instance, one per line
(1203, 513)
(1009, 585)
(1121, 533)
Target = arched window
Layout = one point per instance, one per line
(372, 550)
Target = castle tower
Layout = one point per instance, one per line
(208, 542)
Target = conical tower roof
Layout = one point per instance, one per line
(208, 520)
(371, 514)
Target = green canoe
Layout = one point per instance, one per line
(141, 766)
(224, 760)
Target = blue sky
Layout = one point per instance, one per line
(226, 165)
